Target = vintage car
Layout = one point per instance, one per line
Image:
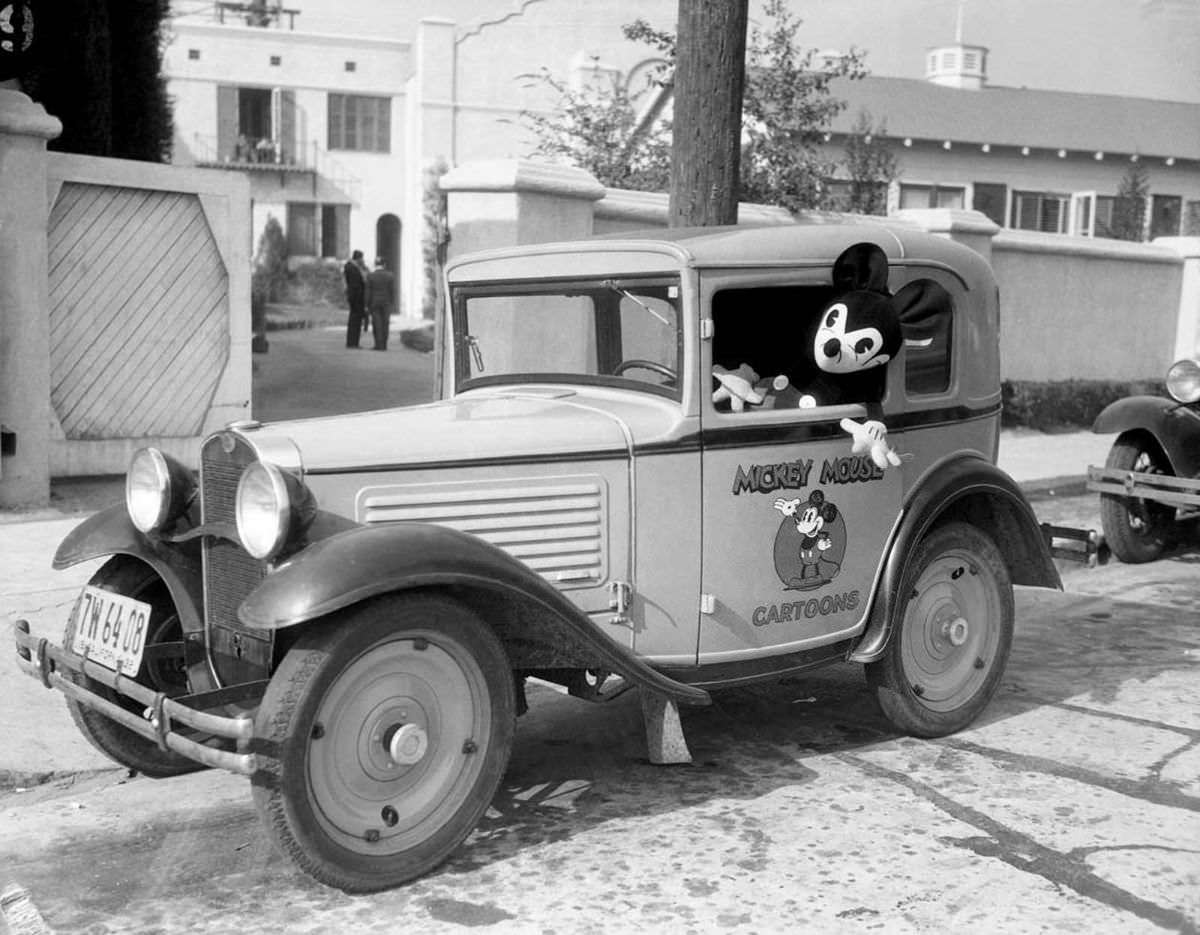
(346, 609)
(1150, 484)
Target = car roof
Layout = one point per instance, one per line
(813, 240)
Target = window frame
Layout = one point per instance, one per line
(349, 117)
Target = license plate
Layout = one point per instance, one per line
(111, 629)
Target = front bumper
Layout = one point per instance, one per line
(46, 662)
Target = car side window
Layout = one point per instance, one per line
(764, 335)
(927, 367)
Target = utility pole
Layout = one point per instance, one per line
(710, 69)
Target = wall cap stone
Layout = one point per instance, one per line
(20, 115)
(622, 204)
(1022, 241)
(950, 221)
(1186, 247)
(519, 175)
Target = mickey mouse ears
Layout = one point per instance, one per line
(862, 266)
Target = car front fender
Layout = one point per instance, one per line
(1174, 426)
(971, 489)
(111, 532)
(368, 561)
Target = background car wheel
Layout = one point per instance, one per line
(1135, 529)
(381, 740)
(132, 578)
(948, 652)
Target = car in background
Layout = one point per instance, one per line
(1149, 485)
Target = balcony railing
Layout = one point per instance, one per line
(250, 155)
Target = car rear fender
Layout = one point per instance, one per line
(110, 532)
(970, 489)
(1173, 426)
(539, 627)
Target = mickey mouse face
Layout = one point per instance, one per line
(837, 350)
(809, 522)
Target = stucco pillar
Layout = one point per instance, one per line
(508, 201)
(24, 301)
(970, 228)
(1187, 330)
(430, 138)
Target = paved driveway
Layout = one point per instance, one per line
(1072, 806)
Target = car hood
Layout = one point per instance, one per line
(467, 429)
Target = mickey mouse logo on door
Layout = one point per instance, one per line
(811, 541)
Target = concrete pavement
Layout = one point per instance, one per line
(1072, 805)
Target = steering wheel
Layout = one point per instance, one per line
(637, 363)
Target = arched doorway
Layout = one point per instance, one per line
(387, 241)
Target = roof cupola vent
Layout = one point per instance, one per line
(957, 65)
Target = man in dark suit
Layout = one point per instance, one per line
(381, 299)
(355, 274)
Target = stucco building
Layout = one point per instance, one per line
(337, 133)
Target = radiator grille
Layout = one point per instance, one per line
(230, 574)
(556, 527)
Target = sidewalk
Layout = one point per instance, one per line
(1042, 462)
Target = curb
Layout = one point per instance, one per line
(1066, 485)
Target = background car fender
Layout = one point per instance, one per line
(962, 487)
(111, 532)
(357, 564)
(1174, 426)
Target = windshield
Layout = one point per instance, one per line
(610, 332)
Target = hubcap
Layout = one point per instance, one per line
(956, 631)
(408, 744)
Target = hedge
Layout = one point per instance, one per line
(1065, 404)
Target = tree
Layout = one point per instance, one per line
(787, 107)
(594, 129)
(870, 165)
(99, 70)
(270, 261)
(709, 76)
(1129, 207)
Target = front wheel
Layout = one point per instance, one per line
(381, 740)
(945, 660)
(1135, 529)
(127, 576)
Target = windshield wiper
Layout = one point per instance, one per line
(612, 284)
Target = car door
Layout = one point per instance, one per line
(794, 524)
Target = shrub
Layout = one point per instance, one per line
(1065, 404)
(270, 261)
(317, 283)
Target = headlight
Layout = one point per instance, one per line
(158, 489)
(1183, 381)
(264, 509)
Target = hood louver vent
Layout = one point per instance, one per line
(555, 526)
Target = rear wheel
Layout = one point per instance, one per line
(127, 576)
(1135, 529)
(946, 658)
(382, 739)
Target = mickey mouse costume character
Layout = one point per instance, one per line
(846, 349)
(861, 330)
